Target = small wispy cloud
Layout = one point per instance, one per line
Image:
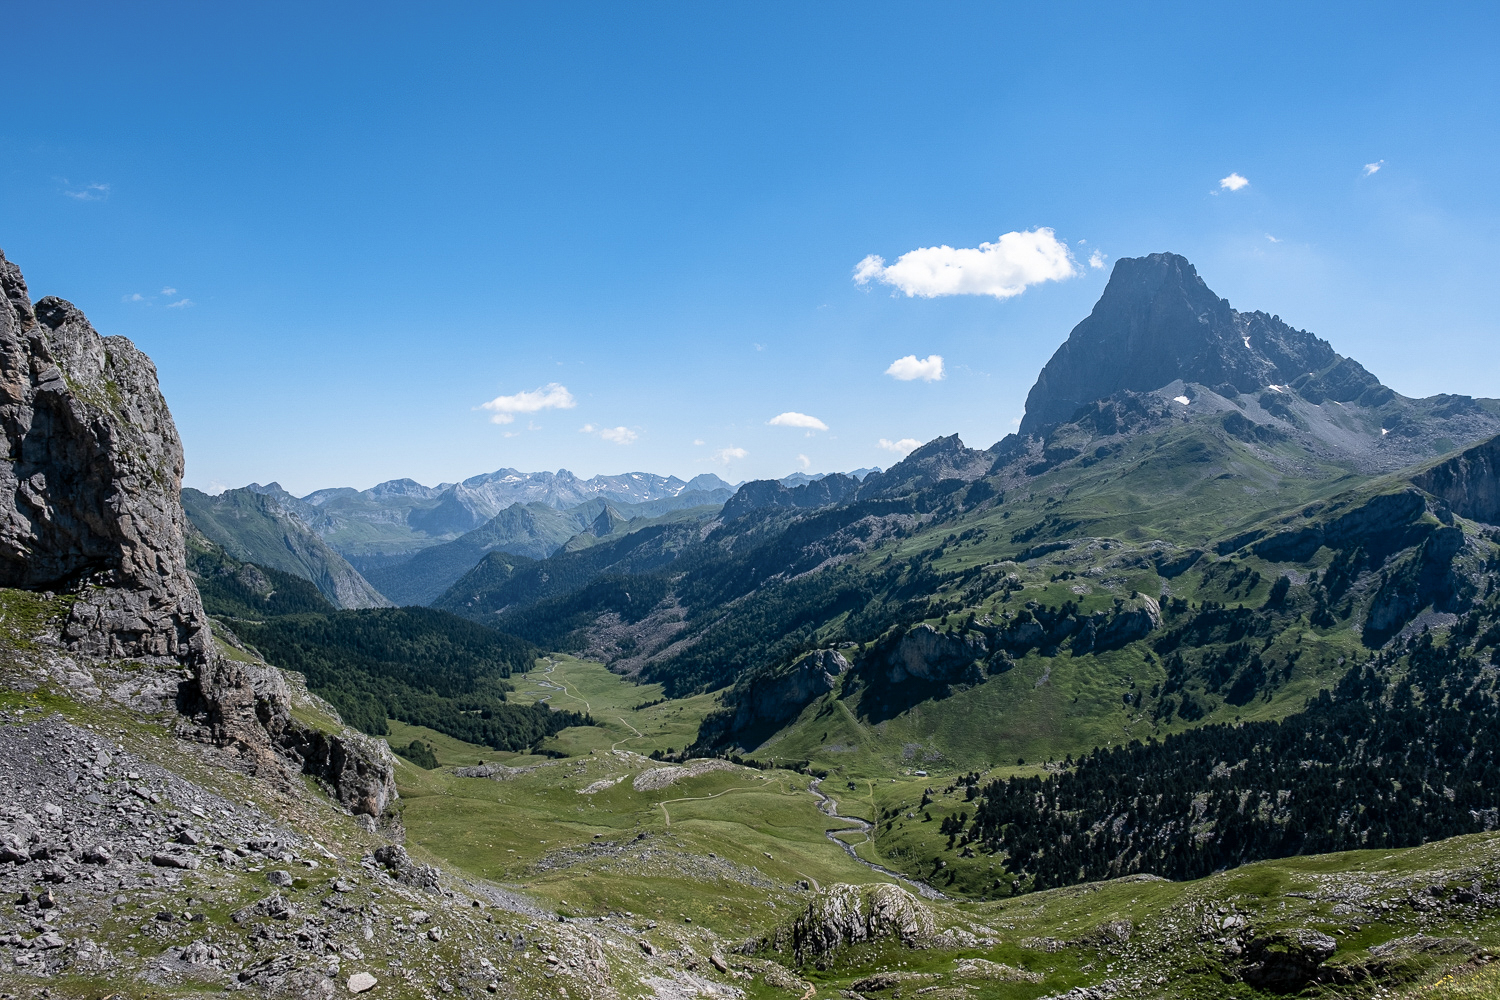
(87, 192)
(1002, 269)
(805, 462)
(1272, 238)
(726, 455)
(551, 396)
(180, 304)
(1373, 168)
(133, 297)
(903, 447)
(794, 419)
(911, 367)
(619, 435)
(169, 291)
(1096, 260)
(698, 442)
(1232, 183)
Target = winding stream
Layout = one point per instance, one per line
(829, 808)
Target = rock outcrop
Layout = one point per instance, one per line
(89, 505)
(776, 697)
(89, 485)
(926, 654)
(1469, 482)
(844, 915)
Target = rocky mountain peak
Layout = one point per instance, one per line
(1158, 322)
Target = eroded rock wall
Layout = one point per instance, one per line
(89, 485)
(90, 504)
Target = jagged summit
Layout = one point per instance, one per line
(1158, 322)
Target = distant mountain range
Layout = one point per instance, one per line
(402, 516)
(403, 543)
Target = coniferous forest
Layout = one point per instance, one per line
(420, 666)
(1401, 752)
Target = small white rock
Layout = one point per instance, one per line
(360, 982)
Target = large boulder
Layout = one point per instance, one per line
(1286, 961)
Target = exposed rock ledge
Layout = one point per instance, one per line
(90, 505)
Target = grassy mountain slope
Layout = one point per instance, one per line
(251, 527)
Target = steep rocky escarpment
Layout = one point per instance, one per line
(88, 488)
(89, 505)
(1468, 482)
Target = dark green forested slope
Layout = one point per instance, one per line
(234, 589)
(417, 665)
(420, 666)
(1405, 749)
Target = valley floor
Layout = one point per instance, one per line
(157, 868)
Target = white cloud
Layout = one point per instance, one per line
(587, 429)
(1372, 168)
(794, 419)
(726, 455)
(619, 435)
(911, 367)
(89, 192)
(169, 291)
(1272, 238)
(1003, 269)
(1096, 260)
(903, 447)
(180, 304)
(549, 397)
(136, 297)
(805, 462)
(1232, 183)
(698, 441)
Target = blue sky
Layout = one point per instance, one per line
(349, 227)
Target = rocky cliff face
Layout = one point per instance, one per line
(844, 915)
(88, 488)
(255, 526)
(1157, 322)
(89, 504)
(1468, 482)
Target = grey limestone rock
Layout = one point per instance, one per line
(1469, 482)
(843, 915)
(90, 504)
(89, 486)
(926, 654)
